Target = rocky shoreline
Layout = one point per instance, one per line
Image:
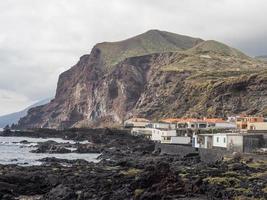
(129, 168)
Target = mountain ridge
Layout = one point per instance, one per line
(13, 118)
(207, 79)
(114, 52)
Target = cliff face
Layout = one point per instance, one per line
(154, 75)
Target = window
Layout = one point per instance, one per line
(167, 138)
(202, 125)
(218, 139)
(224, 140)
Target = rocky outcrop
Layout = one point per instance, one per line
(129, 169)
(196, 79)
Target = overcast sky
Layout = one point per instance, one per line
(40, 39)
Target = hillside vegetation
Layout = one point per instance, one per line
(152, 41)
(155, 75)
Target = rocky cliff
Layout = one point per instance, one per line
(156, 74)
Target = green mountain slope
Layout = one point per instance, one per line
(214, 47)
(153, 41)
(155, 75)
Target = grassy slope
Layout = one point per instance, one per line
(212, 46)
(153, 41)
(211, 60)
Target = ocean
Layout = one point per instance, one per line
(13, 152)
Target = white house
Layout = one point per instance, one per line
(225, 125)
(147, 132)
(162, 135)
(238, 142)
(192, 124)
(220, 140)
(178, 140)
(257, 126)
(136, 122)
(162, 125)
(202, 141)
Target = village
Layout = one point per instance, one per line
(244, 134)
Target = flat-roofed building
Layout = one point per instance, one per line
(136, 123)
(243, 121)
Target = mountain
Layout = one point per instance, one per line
(156, 74)
(215, 47)
(263, 58)
(153, 41)
(13, 118)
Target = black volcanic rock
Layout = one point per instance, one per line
(50, 147)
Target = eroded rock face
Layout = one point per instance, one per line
(209, 80)
(137, 86)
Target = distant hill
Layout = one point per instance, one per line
(263, 58)
(13, 118)
(211, 46)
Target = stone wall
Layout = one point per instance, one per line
(206, 155)
(252, 142)
(174, 149)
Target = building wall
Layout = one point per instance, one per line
(252, 142)
(257, 126)
(168, 132)
(206, 155)
(156, 135)
(225, 125)
(131, 123)
(141, 131)
(180, 140)
(159, 135)
(235, 143)
(208, 142)
(163, 126)
(195, 142)
(174, 149)
(220, 140)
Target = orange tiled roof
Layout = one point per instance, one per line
(176, 120)
(137, 119)
(171, 120)
(191, 120)
(214, 120)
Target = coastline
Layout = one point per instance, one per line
(129, 168)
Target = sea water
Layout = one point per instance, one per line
(14, 152)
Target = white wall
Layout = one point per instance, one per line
(225, 125)
(235, 143)
(220, 140)
(141, 131)
(161, 125)
(135, 124)
(168, 132)
(194, 142)
(180, 140)
(208, 142)
(156, 135)
(257, 126)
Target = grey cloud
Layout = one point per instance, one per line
(40, 39)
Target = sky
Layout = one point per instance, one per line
(41, 39)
